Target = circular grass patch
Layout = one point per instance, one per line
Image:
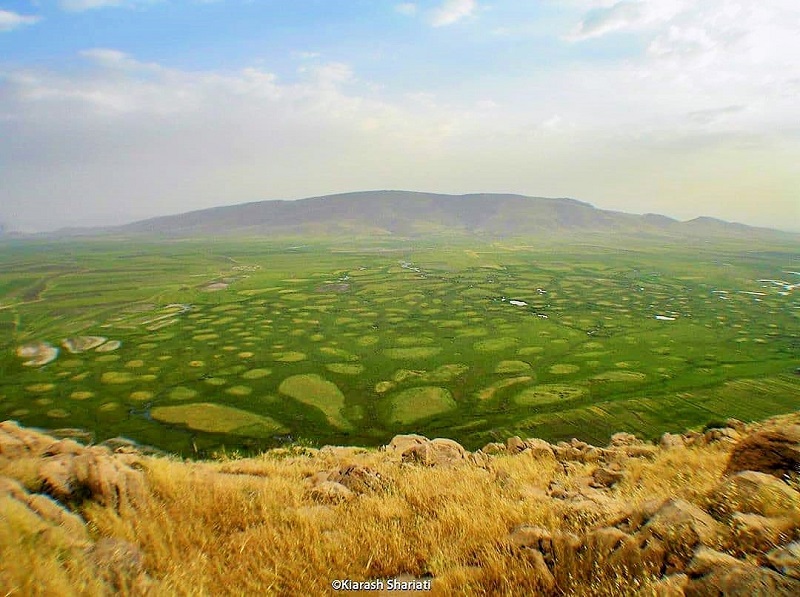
(338, 353)
(288, 356)
(415, 404)
(116, 377)
(316, 391)
(367, 340)
(215, 418)
(412, 352)
(246, 355)
(81, 395)
(182, 393)
(215, 381)
(548, 394)
(621, 376)
(564, 369)
(512, 367)
(57, 413)
(346, 368)
(109, 346)
(141, 395)
(527, 351)
(256, 373)
(495, 344)
(135, 364)
(239, 391)
(40, 388)
(107, 358)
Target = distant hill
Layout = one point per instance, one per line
(412, 214)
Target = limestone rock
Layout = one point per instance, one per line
(493, 448)
(18, 442)
(120, 565)
(775, 452)
(72, 473)
(785, 560)
(714, 573)
(670, 441)
(401, 443)
(358, 479)
(606, 477)
(436, 452)
(754, 533)
(671, 586)
(330, 492)
(624, 439)
(755, 493)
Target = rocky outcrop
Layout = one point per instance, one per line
(430, 452)
(772, 451)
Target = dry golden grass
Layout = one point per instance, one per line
(250, 526)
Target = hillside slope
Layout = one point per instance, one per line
(703, 513)
(410, 214)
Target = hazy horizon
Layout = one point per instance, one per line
(113, 111)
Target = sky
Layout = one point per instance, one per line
(117, 110)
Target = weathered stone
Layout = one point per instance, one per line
(756, 493)
(531, 537)
(755, 533)
(401, 443)
(515, 445)
(330, 492)
(670, 586)
(714, 573)
(775, 452)
(624, 439)
(606, 477)
(681, 526)
(785, 560)
(437, 452)
(358, 479)
(670, 441)
(93, 473)
(119, 563)
(493, 448)
(18, 442)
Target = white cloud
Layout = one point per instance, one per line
(406, 8)
(12, 20)
(452, 11)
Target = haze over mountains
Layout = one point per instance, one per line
(414, 214)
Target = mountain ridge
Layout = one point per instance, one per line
(396, 213)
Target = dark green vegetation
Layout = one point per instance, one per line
(195, 345)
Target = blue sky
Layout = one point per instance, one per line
(112, 110)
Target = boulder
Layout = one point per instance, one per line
(775, 452)
(47, 509)
(436, 452)
(330, 492)
(401, 443)
(755, 493)
(358, 479)
(18, 442)
(680, 527)
(624, 439)
(714, 573)
(493, 448)
(670, 586)
(606, 477)
(670, 441)
(91, 473)
(515, 444)
(754, 533)
(120, 565)
(785, 560)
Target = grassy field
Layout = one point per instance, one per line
(197, 346)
